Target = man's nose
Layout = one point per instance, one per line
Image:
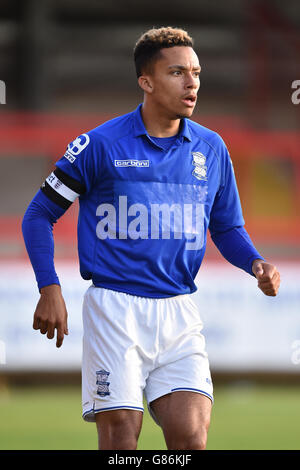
(192, 81)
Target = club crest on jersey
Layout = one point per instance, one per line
(75, 147)
(102, 384)
(200, 170)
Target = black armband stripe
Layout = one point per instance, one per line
(72, 183)
(55, 197)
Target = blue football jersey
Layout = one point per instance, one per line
(144, 210)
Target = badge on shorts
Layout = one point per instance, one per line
(101, 381)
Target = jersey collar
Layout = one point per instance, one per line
(139, 127)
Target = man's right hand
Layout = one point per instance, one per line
(51, 314)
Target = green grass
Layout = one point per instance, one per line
(259, 418)
(243, 417)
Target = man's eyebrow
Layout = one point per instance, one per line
(182, 67)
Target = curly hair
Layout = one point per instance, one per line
(147, 48)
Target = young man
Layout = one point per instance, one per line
(150, 183)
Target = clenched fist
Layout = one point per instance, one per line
(267, 276)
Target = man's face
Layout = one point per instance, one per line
(175, 81)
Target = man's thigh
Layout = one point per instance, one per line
(184, 416)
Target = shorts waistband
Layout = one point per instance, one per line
(119, 292)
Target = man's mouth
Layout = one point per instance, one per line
(190, 100)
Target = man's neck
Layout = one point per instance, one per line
(158, 125)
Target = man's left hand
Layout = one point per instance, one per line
(268, 277)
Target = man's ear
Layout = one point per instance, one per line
(145, 83)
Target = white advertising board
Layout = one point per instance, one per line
(244, 329)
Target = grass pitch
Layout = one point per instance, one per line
(243, 417)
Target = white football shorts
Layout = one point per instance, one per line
(135, 346)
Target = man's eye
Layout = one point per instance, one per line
(177, 72)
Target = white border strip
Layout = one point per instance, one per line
(61, 188)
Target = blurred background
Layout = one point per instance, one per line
(66, 67)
